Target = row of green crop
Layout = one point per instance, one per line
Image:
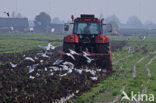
(111, 86)
(108, 89)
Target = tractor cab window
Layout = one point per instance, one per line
(87, 28)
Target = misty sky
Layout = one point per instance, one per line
(145, 10)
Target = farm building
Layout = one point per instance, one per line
(132, 31)
(56, 28)
(152, 31)
(14, 24)
(51, 28)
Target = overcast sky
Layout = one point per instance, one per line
(145, 10)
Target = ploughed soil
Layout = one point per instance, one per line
(45, 79)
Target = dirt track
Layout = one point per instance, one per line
(144, 90)
(134, 67)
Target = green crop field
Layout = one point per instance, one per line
(15, 43)
(134, 71)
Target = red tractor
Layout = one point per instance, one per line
(87, 38)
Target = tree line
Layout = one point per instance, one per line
(44, 19)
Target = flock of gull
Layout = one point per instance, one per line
(59, 67)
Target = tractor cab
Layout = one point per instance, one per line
(87, 24)
(87, 28)
(87, 35)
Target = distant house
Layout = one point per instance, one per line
(152, 31)
(56, 28)
(14, 24)
(132, 31)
